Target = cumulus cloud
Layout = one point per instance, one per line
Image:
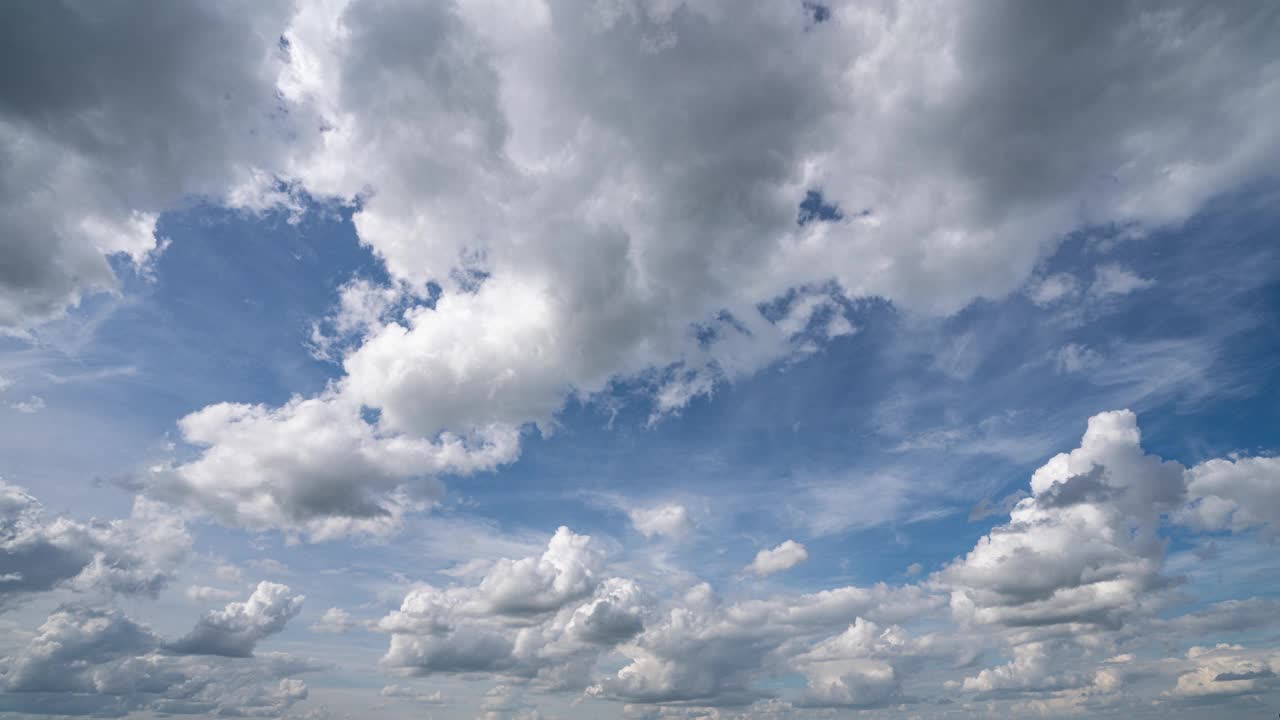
(547, 617)
(486, 154)
(669, 520)
(1084, 547)
(85, 661)
(133, 555)
(236, 630)
(785, 556)
(314, 465)
(334, 621)
(1234, 494)
(1226, 670)
(96, 134)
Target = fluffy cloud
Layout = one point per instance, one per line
(1226, 670)
(335, 621)
(97, 134)
(1234, 494)
(133, 555)
(235, 630)
(1083, 548)
(671, 520)
(314, 465)
(785, 556)
(547, 617)
(85, 661)
(610, 194)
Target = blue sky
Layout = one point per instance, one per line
(421, 361)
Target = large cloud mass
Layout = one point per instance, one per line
(599, 193)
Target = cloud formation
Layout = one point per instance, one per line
(235, 630)
(632, 180)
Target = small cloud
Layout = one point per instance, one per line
(1073, 358)
(670, 519)
(400, 691)
(228, 573)
(204, 593)
(335, 621)
(1114, 280)
(1053, 288)
(914, 569)
(269, 565)
(783, 557)
(33, 404)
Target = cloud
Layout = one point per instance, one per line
(235, 630)
(1226, 670)
(316, 466)
(334, 621)
(785, 556)
(205, 593)
(1083, 548)
(435, 697)
(33, 404)
(547, 617)
(1049, 290)
(96, 135)
(670, 520)
(1115, 280)
(1234, 494)
(86, 661)
(485, 154)
(136, 555)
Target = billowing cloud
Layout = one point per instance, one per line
(1234, 494)
(548, 617)
(85, 661)
(133, 555)
(785, 556)
(235, 630)
(1084, 547)
(676, 194)
(97, 129)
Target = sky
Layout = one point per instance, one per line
(640, 359)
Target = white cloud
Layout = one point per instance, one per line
(547, 617)
(785, 556)
(1226, 670)
(134, 555)
(1115, 280)
(670, 519)
(1083, 548)
(33, 404)
(334, 621)
(205, 593)
(434, 697)
(235, 630)
(83, 661)
(1074, 357)
(575, 186)
(1234, 494)
(1049, 290)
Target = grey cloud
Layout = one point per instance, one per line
(135, 555)
(665, 149)
(112, 113)
(87, 661)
